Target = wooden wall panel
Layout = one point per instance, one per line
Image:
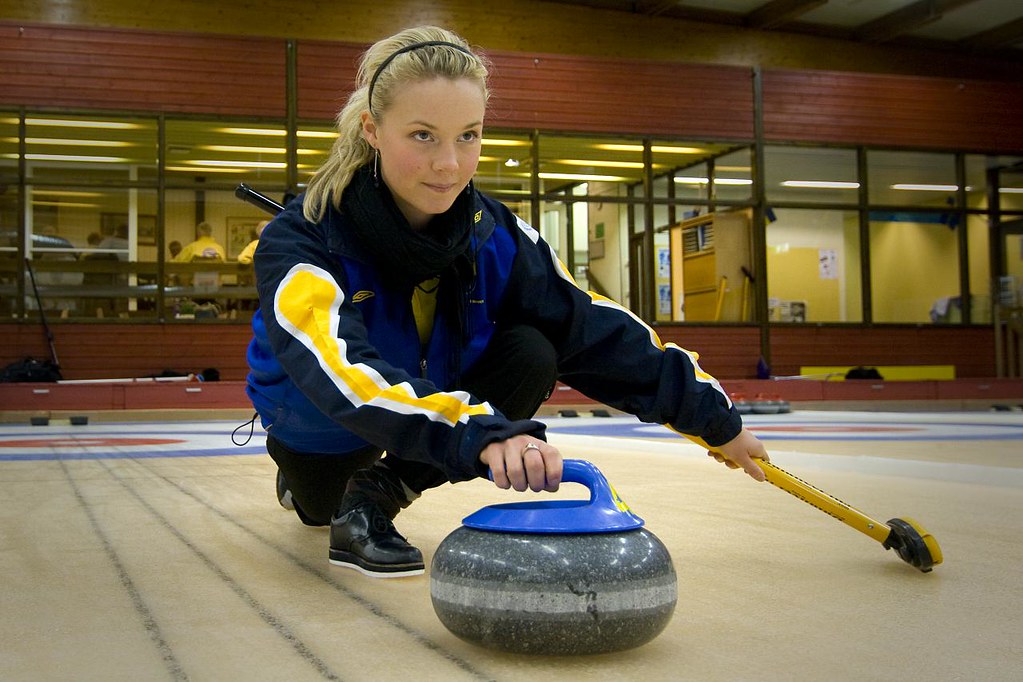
(554, 92)
(117, 351)
(47, 66)
(578, 94)
(969, 349)
(901, 111)
(108, 351)
(326, 76)
(725, 352)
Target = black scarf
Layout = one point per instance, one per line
(405, 256)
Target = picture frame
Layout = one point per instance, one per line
(109, 222)
(240, 231)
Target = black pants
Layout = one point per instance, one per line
(515, 374)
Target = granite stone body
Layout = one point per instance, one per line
(553, 593)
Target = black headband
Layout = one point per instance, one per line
(407, 48)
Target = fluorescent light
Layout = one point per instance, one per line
(927, 188)
(236, 164)
(73, 142)
(186, 169)
(821, 184)
(64, 204)
(688, 180)
(499, 142)
(660, 149)
(277, 132)
(72, 157)
(1011, 190)
(63, 193)
(59, 122)
(582, 176)
(599, 164)
(253, 131)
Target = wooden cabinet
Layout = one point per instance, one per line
(708, 254)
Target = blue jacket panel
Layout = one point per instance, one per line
(336, 360)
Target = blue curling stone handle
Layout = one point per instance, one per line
(604, 512)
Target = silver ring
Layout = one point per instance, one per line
(530, 446)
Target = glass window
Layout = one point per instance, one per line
(88, 245)
(202, 152)
(810, 175)
(567, 162)
(911, 179)
(692, 183)
(709, 282)
(314, 144)
(914, 265)
(733, 176)
(505, 166)
(977, 232)
(1010, 179)
(813, 266)
(8, 147)
(97, 150)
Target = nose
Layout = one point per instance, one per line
(446, 158)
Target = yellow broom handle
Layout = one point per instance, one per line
(826, 503)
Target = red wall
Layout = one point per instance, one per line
(134, 70)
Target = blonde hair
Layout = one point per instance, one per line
(387, 65)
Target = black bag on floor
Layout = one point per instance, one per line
(30, 370)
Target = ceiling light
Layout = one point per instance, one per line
(1011, 190)
(63, 193)
(277, 165)
(599, 164)
(73, 142)
(72, 157)
(688, 180)
(657, 148)
(582, 176)
(186, 169)
(499, 142)
(59, 122)
(821, 184)
(927, 188)
(65, 204)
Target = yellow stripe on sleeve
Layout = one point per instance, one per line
(307, 305)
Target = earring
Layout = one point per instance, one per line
(376, 167)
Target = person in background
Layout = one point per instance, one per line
(246, 255)
(174, 248)
(205, 247)
(403, 311)
(115, 239)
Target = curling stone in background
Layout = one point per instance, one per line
(555, 577)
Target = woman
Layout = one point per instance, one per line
(403, 311)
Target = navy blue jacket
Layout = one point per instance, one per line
(336, 360)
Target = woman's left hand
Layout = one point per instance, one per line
(524, 462)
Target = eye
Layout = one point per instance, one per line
(422, 135)
(470, 136)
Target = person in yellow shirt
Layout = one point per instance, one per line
(205, 247)
(246, 255)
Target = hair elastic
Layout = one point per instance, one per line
(407, 48)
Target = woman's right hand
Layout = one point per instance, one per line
(524, 462)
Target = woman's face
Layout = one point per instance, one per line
(429, 143)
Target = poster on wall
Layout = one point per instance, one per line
(664, 299)
(828, 259)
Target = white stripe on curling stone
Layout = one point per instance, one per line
(535, 598)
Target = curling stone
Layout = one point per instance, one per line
(555, 577)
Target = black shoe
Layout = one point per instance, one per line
(283, 494)
(364, 538)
